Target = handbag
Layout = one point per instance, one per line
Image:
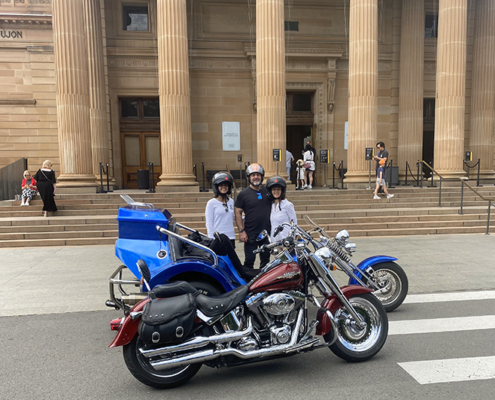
(307, 165)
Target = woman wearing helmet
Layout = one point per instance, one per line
(220, 210)
(282, 209)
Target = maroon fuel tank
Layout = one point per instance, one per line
(283, 277)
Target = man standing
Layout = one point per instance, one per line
(289, 159)
(256, 205)
(382, 155)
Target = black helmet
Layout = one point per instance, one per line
(222, 177)
(252, 168)
(274, 182)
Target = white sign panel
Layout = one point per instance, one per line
(346, 135)
(231, 136)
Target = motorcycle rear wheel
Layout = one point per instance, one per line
(393, 281)
(141, 369)
(353, 343)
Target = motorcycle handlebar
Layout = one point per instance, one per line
(266, 247)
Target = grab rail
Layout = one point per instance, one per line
(440, 181)
(488, 199)
(191, 242)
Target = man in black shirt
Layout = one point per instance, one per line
(382, 155)
(256, 205)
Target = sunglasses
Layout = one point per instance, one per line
(226, 207)
(259, 195)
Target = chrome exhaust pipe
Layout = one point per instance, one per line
(200, 341)
(208, 355)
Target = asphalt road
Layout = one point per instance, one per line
(65, 356)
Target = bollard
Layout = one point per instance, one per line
(488, 219)
(341, 167)
(151, 169)
(333, 176)
(104, 171)
(417, 174)
(203, 173)
(195, 173)
(478, 179)
(391, 165)
(462, 196)
(407, 167)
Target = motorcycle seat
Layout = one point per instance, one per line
(218, 305)
(173, 289)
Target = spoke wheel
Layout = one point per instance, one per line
(393, 284)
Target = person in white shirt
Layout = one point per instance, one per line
(282, 209)
(219, 211)
(309, 162)
(289, 159)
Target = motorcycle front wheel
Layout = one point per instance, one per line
(140, 367)
(354, 343)
(393, 283)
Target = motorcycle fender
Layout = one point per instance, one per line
(332, 303)
(129, 328)
(368, 262)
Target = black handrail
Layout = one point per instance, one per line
(472, 166)
(490, 201)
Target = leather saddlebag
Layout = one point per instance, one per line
(167, 320)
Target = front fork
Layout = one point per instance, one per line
(349, 268)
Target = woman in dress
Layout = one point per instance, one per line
(28, 186)
(282, 209)
(46, 182)
(220, 210)
(309, 158)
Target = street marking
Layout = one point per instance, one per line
(451, 370)
(457, 296)
(438, 325)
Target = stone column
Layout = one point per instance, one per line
(270, 80)
(72, 82)
(483, 91)
(451, 88)
(97, 97)
(363, 88)
(175, 103)
(411, 84)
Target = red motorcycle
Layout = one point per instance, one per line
(170, 335)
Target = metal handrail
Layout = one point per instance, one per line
(490, 200)
(440, 181)
(191, 242)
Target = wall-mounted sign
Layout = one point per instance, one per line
(324, 156)
(231, 136)
(276, 155)
(369, 153)
(11, 34)
(469, 156)
(239, 158)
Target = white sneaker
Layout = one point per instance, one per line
(305, 186)
(310, 187)
(390, 196)
(375, 197)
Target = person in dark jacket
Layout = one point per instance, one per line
(47, 186)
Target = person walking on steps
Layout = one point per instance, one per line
(380, 181)
(382, 155)
(47, 186)
(219, 211)
(255, 204)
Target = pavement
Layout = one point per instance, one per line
(72, 279)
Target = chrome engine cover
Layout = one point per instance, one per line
(280, 335)
(279, 304)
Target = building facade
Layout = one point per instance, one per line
(180, 83)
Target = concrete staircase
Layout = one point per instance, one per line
(91, 219)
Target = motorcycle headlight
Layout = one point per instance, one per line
(342, 237)
(325, 255)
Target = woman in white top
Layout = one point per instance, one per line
(282, 209)
(309, 158)
(220, 210)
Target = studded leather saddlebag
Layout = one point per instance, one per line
(167, 320)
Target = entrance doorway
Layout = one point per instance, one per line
(140, 138)
(428, 133)
(300, 120)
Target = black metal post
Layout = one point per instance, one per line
(108, 181)
(333, 176)
(151, 169)
(488, 219)
(440, 194)
(417, 173)
(341, 167)
(431, 171)
(195, 173)
(407, 168)
(462, 196)
(421, 175)
(478, 179)
(391, 165)
(203, 173)
(101, 178)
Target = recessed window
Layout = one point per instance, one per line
(129, 108)
(301, 102)
(151, 108)
(291, 25)
(136, 18)
(431, 26)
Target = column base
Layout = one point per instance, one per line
(177, 188)
(360, 179)
(75, 190)
(72, 181)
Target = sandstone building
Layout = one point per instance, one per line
(178, 83)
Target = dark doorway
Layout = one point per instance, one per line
(428, 133)
(296, 140)
(300, 120)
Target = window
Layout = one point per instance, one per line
(136, 18)
(431, 26)
(129, 108)
(291, 25)
(151, 109)
(301, 102)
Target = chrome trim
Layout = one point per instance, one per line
(191, 242)
(135, 204)
(230, 322)
(112, 281)
(135, 315)
(199, 341)
(207, 355)
(189, 229)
